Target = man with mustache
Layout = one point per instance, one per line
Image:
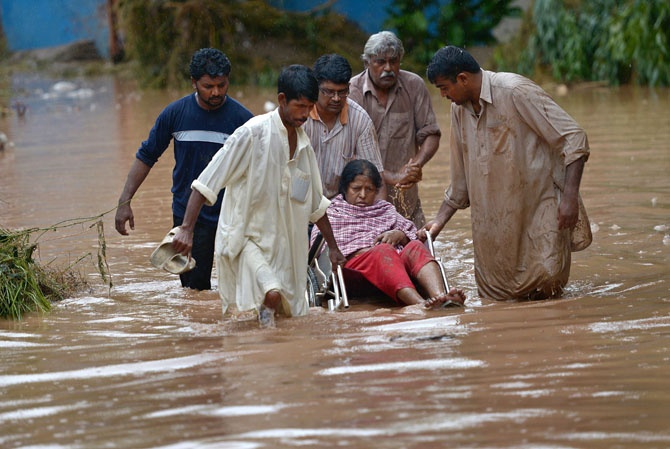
(199, 124)
(400, 107)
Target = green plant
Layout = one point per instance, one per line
(637, 45)
(612, 40)
(28, 286)
(454, 22)
(24, 286)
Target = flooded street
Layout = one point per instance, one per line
(146, 364)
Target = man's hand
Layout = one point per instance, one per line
(434, 227)
(411, 174)
(124, 214)
(336, 258)
(568, 212)
(183, 241)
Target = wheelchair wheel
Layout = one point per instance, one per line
(312, 289)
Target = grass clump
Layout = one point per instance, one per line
(25, 285)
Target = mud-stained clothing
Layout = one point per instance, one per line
(352, 137)
(508, 165)
(387, 268)
(402, 126)
(270, 199)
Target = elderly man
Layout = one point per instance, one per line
(340, 130)
(399, 105)
(516, 160)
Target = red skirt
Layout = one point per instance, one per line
(386, 269)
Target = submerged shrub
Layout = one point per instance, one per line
(25, 285)
(20, 278)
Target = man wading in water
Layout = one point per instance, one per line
(199, 123)
(271, 175)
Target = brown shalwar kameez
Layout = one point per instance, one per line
(402, 126)
(508, 164)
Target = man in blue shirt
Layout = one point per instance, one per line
(199, 123)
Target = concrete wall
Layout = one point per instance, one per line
(32, 24)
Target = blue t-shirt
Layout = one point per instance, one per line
(198, 134)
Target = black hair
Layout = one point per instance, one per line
(209, 61)
(359, 167)
(298, 81)
(449, 61)
(333, 68)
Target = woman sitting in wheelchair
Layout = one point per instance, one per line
(381, 245)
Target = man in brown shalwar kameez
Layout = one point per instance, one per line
(516, 160)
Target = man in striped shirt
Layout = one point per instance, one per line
(339, 129)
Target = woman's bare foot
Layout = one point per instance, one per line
(455, 298)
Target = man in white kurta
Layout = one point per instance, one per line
(516, 161)
(270, 199)
(273, 191)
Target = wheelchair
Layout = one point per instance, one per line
(324, 286)
(327, 287)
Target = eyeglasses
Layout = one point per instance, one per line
(344, 93)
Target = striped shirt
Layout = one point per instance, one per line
(352, 137)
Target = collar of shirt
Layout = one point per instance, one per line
(344, 113)
(368, 85)
(485, 92)
(485, 96)
(303, 138)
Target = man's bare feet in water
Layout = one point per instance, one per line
(266, 312)
(455, 298)
(266, 317)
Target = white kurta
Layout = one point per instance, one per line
(508, 164)
(261, 242)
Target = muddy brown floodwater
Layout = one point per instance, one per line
(147, 364)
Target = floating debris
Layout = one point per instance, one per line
(26, 285)
(63, 87)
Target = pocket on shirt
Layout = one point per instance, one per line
(499, 136)
(300, 183)
(400, 124)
